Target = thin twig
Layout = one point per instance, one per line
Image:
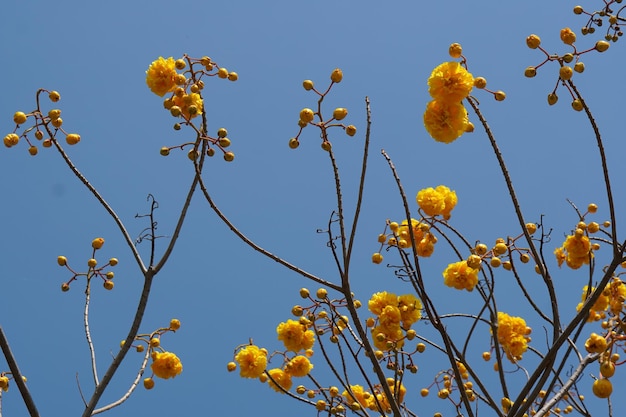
(92, 351)
(17, 375)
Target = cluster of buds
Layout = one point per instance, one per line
(578, 249)
(399, 236)
(307, 115)
(5, 377)
(446, 385)
(165, 364)
(566, 71)
(597, 18)
(93, 271)
(43, 125)
(183, 82)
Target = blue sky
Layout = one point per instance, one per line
(96, 54)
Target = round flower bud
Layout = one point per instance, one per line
(321, 293)
(530, 72)
(54, 96)
(533, 41)
(307, 84)
(57, 122)
(92, 263)
(579, 67)
(148, 383)
(193, 154)
(222, 73)
(593, 227)
(424, 392)
(500, 248)
(326, 146)
(62, 260)
(231, 366)
(110, 275)
(340, 113)
(11, 140)
(205, 60)
(65, 287)
(307, 115)
(592, 208)
(480, 249)
(568, 36)
(72, 138)
(578, 10)
(302, 123)
(180, 79)
(39, 134)
(499, 95)
(524, 258)
(480, 82)
(97, 243)
(566, 72)
(567, 58)
(304, 292)
(108, 285)
(552, 99)
(33, 150)
(174, 324)
(377, 258)
(421, 347)
(175, 111)
(210, 152)
(486, 356)
(233, 76)
(222, 133)
(336, 76)
(601, 46)
(577, 105)
(495, 262)
(507, 265)
(19, 117)
(455, 50)
(531, 228)
(293, 143)
(607, 369)
(46, 143)
(350, 130)
(229, 156)
(164, 151)
(180, 64)
(602, 388)
(224, 142)
(474, 261)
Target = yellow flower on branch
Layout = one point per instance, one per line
(437, 201)
(445, 121)
(299, 366)
(295, 336)
(191, 105)
(166, 365)
(252, 361)
(513, 336)
(450, 83)
(461, 276)
(282, 378)
(161, 76)
(364, 398)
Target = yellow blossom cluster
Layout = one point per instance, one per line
(253, 360)
(165, 365)
(358, 397)
(437, 201)
(183, 80)
(394, 317)
(461, 276)
(575, 251)
(445, 117)
(513, 336)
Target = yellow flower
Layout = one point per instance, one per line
(364, 398)
(595, 343)
(160, 76)
(410, 309)
(380, 300)
(299, 366)
(445, 121)
(191, 105)
(437, 201)
(512, 336)
(390, 317)
(450, 82)
(617, 295)
(252, 361)
(394, 386)
(282, 378)
(295, 336)
(387, 334)
(166, 365)
(576, 251)
(597, 310)
(460, 276)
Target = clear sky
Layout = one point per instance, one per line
(96, 53)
